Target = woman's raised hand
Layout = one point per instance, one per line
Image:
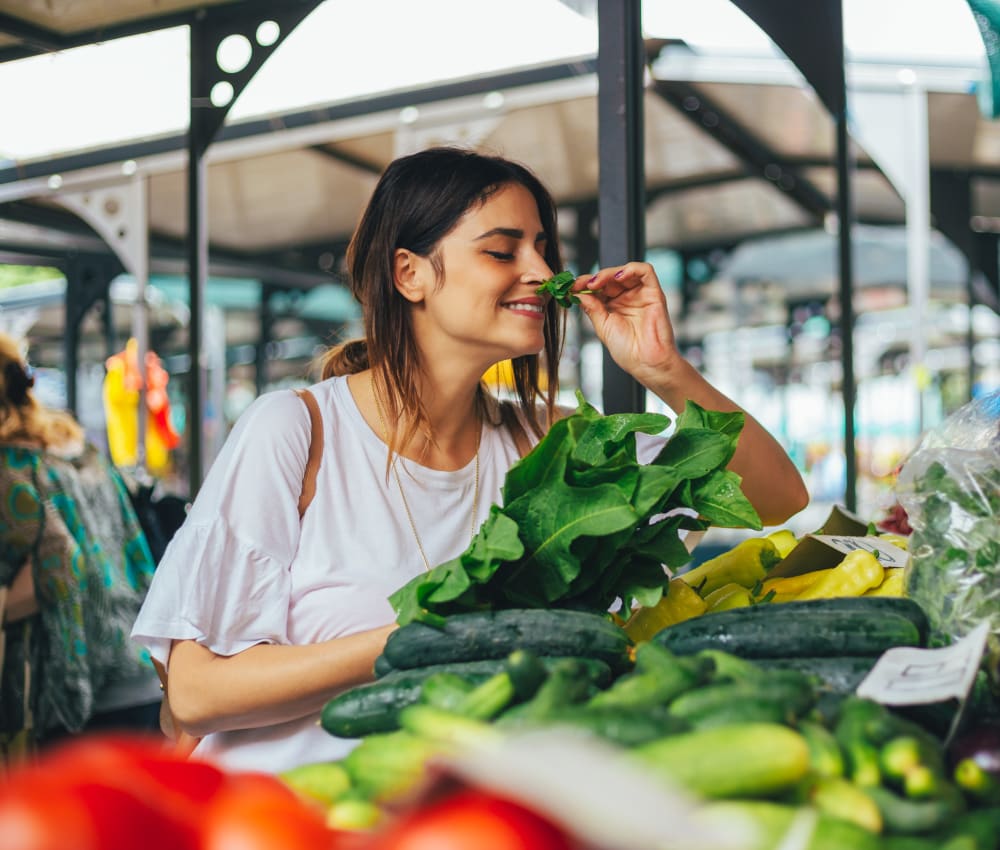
(629, 312)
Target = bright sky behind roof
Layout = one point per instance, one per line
(137, 87)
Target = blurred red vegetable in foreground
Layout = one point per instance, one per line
(126, 792)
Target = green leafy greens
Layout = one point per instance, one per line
(583, 523)
(558, 287)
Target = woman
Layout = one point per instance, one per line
(264, 618)
(74, 568)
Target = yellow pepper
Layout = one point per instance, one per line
(679, 602)
(788, 587)
(730, 595)
(858, 572)
(745, 564)
(785, 540)
(898, 540)
(892, 584)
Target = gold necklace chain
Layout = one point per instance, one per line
(402, 495)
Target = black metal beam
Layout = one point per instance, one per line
(365, 165)
(285, 267)
(621, 64)
(295, 120)
(35, 38)
(43, 40)
(692, 103)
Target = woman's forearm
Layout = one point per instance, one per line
(770, 480)
(21, 599)
(265, 684)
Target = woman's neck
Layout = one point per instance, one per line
(453, 430)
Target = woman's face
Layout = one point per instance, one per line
(485, 308)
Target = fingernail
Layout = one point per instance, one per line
(619, 274)
(592, 279)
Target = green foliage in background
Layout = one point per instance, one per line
(11, 276)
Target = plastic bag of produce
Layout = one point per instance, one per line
(950, 489)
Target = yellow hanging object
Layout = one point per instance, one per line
(122, 383)
(679, 602)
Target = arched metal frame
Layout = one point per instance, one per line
(811, 35)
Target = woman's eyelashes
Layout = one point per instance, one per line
(501, 255)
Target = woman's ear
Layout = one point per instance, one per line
(408, 275)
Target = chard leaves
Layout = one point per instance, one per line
(583, 523)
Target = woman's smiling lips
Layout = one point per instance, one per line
(532, 306)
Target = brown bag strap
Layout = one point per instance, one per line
(315, 451)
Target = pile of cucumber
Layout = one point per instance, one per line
(742, 707)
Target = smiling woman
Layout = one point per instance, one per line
(262, 615)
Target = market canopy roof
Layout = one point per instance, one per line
(736, 145)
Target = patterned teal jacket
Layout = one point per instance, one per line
(92, 567)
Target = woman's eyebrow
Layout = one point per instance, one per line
(512, 232)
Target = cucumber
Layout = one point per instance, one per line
(374, 707)
(382, 667)
(742, 760)
(823, 627)
(627, 726)
(839, 674)
(797, 696)
(903, 816)
(495, 634)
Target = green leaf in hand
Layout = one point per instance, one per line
(558, 287)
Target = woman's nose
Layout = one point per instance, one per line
(536, 271)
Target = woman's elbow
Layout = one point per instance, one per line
(190, 711)
(792, 497)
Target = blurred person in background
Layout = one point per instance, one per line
(74, 569)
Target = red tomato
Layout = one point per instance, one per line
(472, 819)
(119, 791)
(134, 761)
(34, 818)
(260, 812)
(39, 810)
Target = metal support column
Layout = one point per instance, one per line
(845, 216)
(88, 279)
(265, 334)
(621, 187)
(263, 27)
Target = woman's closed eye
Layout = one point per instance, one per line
(501, 255)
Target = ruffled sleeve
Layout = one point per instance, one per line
(224, 579)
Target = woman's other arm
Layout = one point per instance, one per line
(629, 313)
(267, 683)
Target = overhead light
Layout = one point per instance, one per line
(409, 114)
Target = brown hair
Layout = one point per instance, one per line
(418, 200)
(22, 417)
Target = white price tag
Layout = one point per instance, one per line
(888, 555)
(906, 675)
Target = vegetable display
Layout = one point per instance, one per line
(583, 523)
